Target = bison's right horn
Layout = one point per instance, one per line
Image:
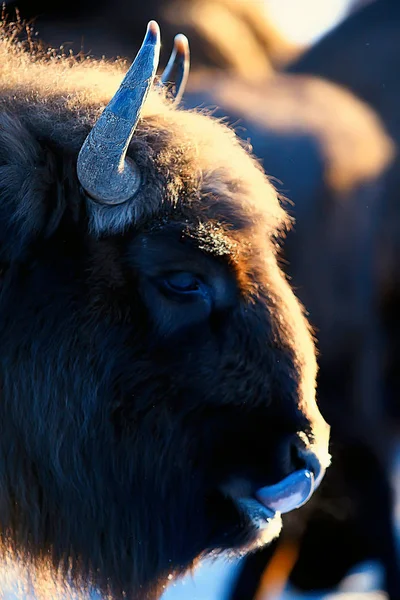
(104, 170)
(179, 60)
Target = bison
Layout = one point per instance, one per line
(362, 54)
(157, 371)
(370, 42)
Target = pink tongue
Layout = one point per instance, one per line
(288, 494)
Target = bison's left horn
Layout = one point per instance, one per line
(179, 60)
(104, 170)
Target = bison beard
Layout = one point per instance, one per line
(156, 369)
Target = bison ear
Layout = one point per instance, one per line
(180, 62)
(32, 201)
(106, 174)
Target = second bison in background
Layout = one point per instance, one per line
(100, 28)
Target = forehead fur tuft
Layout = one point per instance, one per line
(62, 94)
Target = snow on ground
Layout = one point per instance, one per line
(212, 582)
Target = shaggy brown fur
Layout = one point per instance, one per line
(124, 409)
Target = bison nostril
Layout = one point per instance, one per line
(303, 457)
(291, 453)
(297, 460)
(287, 458)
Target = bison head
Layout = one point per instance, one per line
(157, 372)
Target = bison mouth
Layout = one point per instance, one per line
(287, 495)
(260, 509)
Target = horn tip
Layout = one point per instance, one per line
(153, 31)
(181, 43)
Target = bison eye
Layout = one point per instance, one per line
(184, 283)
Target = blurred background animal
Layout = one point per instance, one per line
(346, 239)
(100, 28)
(335, 173)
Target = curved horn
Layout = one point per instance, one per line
(104, 170)
(179, 59)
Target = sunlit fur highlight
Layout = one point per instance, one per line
(73, 354)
